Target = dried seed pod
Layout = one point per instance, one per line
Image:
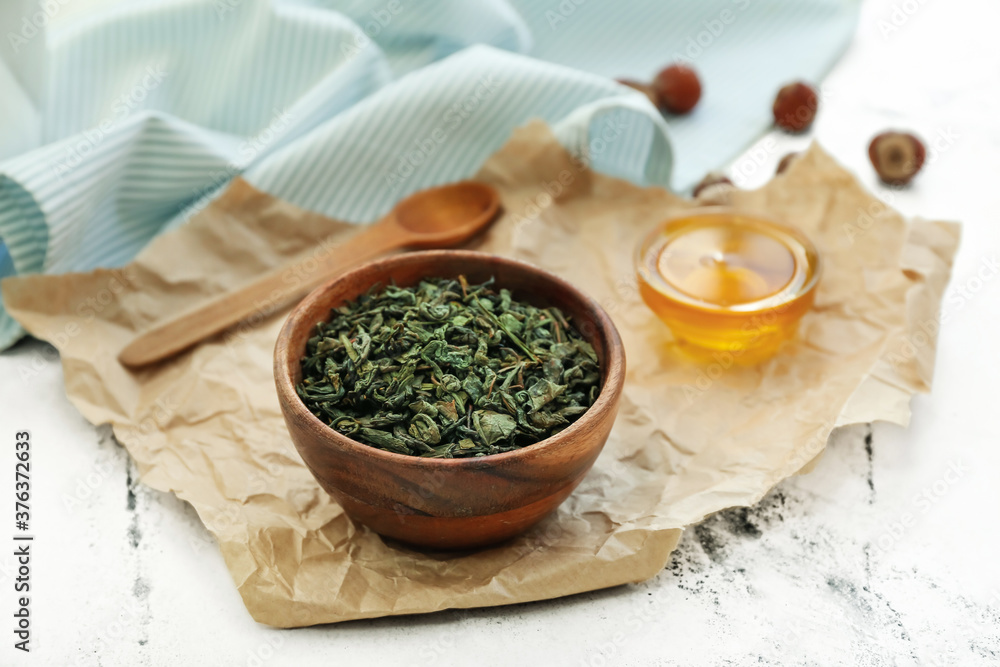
(711, 179)
(677, 89)
(896, 156)
(786, 162)
(795, 107)
(643, 88)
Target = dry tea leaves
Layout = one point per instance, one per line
(447, 369)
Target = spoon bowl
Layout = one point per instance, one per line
(447, 215)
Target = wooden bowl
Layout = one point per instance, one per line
(450, 503)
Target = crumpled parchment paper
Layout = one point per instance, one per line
(690, 439)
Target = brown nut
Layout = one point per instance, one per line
(644, 88)
(896, 156)
(786, 162)
(677, 89)
(711, 179)
(795, 107)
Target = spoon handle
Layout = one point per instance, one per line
(266, 295)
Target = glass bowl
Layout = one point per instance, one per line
(728, 282)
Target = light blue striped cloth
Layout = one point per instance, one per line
(123, 122)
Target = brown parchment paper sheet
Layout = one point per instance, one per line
(689, 441)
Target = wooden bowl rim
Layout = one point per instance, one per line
(607, 399)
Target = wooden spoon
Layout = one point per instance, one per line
(435, 218)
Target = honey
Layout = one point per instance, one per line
(728, 282)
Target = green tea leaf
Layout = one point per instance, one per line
(493, 426)
(424, 429)
(544, 392)
(447, 369)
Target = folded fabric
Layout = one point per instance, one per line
(123, 121)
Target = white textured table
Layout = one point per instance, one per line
(885, 555)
